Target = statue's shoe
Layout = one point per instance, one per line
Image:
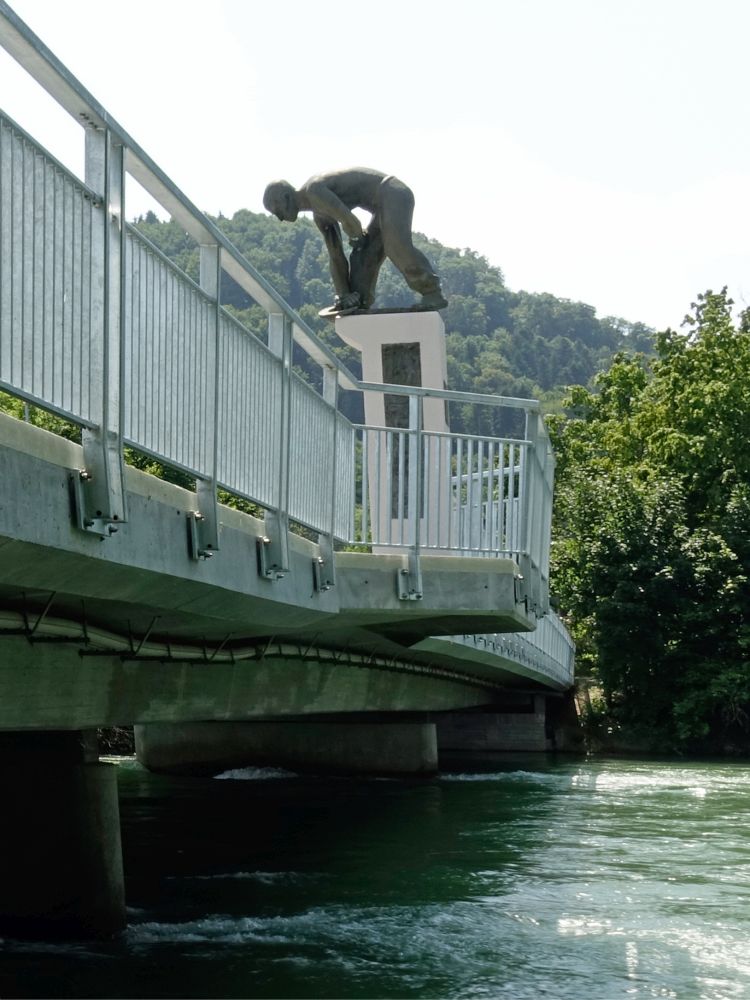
(336, 310)
(434, 300)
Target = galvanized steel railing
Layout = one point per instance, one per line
(548, 650)
(97, 325)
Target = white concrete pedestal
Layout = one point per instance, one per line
(376, 335)
(404, 348)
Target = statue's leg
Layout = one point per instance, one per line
(396, 212)
(365, 262)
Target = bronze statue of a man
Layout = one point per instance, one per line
(331, 198)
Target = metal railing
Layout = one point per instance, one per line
(548, 650)
(100, 327)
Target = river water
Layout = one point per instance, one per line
(515, 877)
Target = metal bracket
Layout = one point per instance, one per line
(525, 591)
(273, 548)
(200, 536)
(324, 570)
(87, 517)
(267, 564)
(409, 581)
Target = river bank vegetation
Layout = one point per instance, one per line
(651, 543)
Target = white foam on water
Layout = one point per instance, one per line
(331, 926)
(255, 774)
(650, 780)
(217, 929)
(531, 777)
(265, 878)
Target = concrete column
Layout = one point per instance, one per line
(60, 854)
(389, 748)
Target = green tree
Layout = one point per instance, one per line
(652, 540)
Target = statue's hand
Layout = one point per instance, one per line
(353, 229)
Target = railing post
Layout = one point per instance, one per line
(204, 523)
(546, 527)
(528, 512)
(275, 547)
(411, 589)
(325, 571)
(100, 488)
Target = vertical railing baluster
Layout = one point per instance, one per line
(325, 541)
(502, 493)
(426, 500)
(489, 509)
(376, 520)
(459, 504)
(403, 498)
(415, 493)
(365, 478)
(470, 492)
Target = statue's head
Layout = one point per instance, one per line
(280, 199)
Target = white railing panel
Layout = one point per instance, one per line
(471, 496)
(47, 292)
(345, 494)
(168, 358)
(249, 438)
(312, 445)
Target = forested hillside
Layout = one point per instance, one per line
(499, 341)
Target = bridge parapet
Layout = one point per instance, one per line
(98, 326)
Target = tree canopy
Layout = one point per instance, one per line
(652, 538)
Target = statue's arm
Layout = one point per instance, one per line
(325, 202)
(337, 258)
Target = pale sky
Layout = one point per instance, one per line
(598, 150)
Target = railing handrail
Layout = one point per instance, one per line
(452, 395)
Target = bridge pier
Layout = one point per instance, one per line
(520, 724)
(60, 853)
(351, 747)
